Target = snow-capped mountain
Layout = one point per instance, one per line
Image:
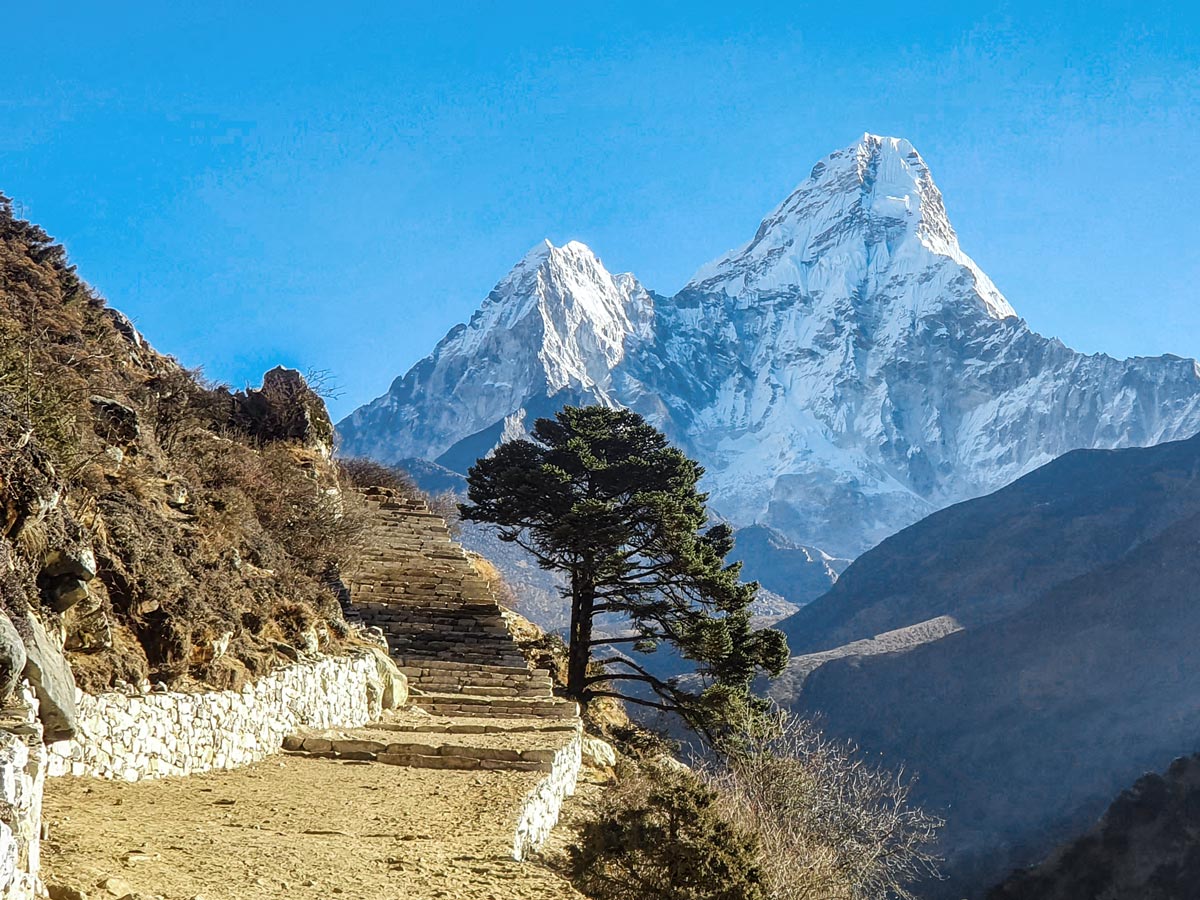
(844, 373)
(557, 325)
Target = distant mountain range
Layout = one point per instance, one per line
(1027, 654)
(843, 374)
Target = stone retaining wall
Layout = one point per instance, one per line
(22, 774)
(539, 813)
(135, 736)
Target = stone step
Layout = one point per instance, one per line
(430, 682)
(465, 675)
(439, 615)
(425, 755)
(459, 726)
(455, 705)
(479, 690)
(450, 666)
(483, 660)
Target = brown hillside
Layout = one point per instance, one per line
(172, 528)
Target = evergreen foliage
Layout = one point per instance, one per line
(601, 496)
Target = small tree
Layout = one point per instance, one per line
(601, 496)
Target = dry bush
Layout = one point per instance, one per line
(830, 825)
(303, 514)
(177, 401)
(660, 836)
(359, 472)
(277, 490)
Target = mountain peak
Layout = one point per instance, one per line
(872, 206)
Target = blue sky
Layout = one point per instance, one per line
(332, 186)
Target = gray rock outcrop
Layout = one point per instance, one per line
(285, 408)
(50, 675)
(12, 657)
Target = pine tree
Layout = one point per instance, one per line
(601, 496)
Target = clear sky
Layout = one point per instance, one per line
(335, 185)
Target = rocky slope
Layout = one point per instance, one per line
(1144, 847)
(1040, 656)
(156, 527)
(844, 373)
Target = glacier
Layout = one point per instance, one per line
(844, 373)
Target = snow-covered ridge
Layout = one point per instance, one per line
(844, 373)
(557, 322)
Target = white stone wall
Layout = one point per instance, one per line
(539, 813)
(22, 774)
(150, 735)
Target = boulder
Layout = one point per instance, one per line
(50, 675)
(114, 421)
(12, 657)
(392, 684)
(597, 753)
(124, 326)
(78, 562)
(285, 408)
(67, 592)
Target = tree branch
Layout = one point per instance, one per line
(640, 702)
(631, 639)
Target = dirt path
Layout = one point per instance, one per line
(304, 829)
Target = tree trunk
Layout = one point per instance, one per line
(583, 599)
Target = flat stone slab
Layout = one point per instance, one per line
(526, 745)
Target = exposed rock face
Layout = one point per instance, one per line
(843, 374)
(389, 683)
(285, 408)
(799, 573)
(115, 421)
(1144, 848)
(12, 657)
(50, 675)
(1041, 654)
(65, 574)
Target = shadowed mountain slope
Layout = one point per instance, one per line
(1074, 668)
(1144, 848)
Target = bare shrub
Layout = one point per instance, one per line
(830, 825)
(177, 400)
(323, 383)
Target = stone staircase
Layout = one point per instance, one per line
(441, 620)
(474, 703)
